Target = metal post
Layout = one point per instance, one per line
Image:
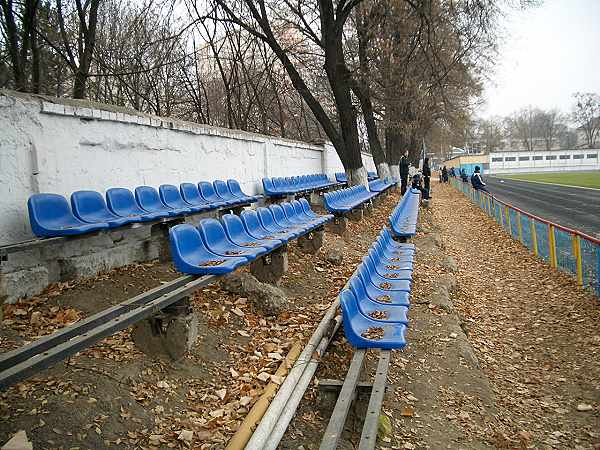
(507, 214)
(577, 253)
(520, 227)
(552, 245)
(534, 237)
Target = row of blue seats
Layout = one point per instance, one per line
(219, 247)
(278, 186)
(345, 200)
(379, 185)
(341, 177)
(376, 299)
(403, 220)
(50, 214)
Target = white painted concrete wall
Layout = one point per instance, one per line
(46, 146)
(577, 160)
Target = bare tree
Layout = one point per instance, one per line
(586, 113)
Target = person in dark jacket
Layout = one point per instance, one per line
(426, 176)
(417, 183)
(404, 172)
(463, 176)
(477, 181)
(444, 174)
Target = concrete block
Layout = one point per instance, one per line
(356, 215)
(53, 108)
(21, 260)
(339, 225)
(69, 110)
(316, 199)
(311, 243)
(270, 268)
(168, 335)
(90, 264)
(22, 284)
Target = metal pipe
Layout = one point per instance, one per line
(262, 432)
(244, 432)
(292, 405)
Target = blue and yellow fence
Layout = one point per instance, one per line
(567, 250)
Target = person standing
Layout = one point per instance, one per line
(426, 177)
(444, 174)
(404, 172)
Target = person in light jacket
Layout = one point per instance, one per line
(477, 181)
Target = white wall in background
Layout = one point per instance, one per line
(544, 161)
(56, 147)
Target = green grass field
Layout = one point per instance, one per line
(583, 179)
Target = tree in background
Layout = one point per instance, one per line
(586, 114)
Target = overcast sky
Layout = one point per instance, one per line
(549, 53)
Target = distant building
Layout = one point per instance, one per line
(544, 161)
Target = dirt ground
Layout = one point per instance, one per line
(113, 396)
(503, 352)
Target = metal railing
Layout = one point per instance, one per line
(568, 250)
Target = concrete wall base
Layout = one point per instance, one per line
(29, 272)
(170, 334)
(270, 268)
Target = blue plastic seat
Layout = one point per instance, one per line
(171, 196)
(191, 256)
(120, 201)
(215, 238)
(207, 191)
(236, 190)
(341, 177)
(299, 218)
(395, 271)
(384, 284)
(360, 289)
(283, 222)
(345, 200)
(369, 309)
(357, 327)
(394, 275)
(50, 216)
(372, 176)
(236, 233)
(254, 227)
(310, 213)
(148, 199)
(392, 257)
(300, 213)
(270, 189)
(90, 207)
(396, 246)
(403, 220)
(268, 222)
(223, 191)
(190, 193)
